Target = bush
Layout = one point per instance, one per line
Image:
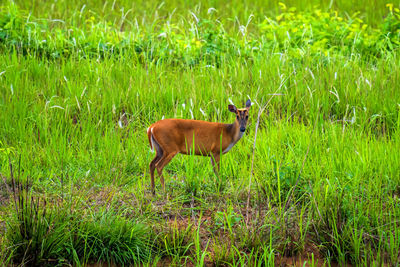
(205, 41)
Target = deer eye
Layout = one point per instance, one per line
(237, 116)
(247, 116)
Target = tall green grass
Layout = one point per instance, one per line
(326, 165)
(195, 38)
(372, 11)
(44, 231)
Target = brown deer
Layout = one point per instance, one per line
(172, 136)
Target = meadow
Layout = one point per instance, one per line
(315, 180)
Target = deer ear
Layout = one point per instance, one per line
(248, 103)
(232, 108)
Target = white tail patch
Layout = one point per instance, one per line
(151, 138)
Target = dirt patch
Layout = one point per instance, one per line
(310, 257)
(308, 260)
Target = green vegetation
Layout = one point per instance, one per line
(43, 234)
(195, 40)
(80, 83)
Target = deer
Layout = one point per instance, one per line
(168, 137)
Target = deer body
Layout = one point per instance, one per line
(169, 137)
(208, 137)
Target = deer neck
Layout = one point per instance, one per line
(235, 132)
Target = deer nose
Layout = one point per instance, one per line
(242, 129)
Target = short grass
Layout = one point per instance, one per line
(325, 181)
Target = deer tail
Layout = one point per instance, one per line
(149, 136)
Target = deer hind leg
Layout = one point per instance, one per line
(159, 154)
(165, 159)
(215, 160)
(152, 168)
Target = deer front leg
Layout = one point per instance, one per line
(215, 160)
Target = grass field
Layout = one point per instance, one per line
(81, 82)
